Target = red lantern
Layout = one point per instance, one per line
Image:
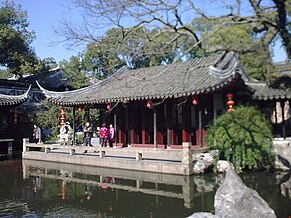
(195, 100)
(81, 108)
(149, 104)
(63, 117)
(229, 95)
(230, 102)
(109, 106)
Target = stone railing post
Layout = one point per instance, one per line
(72, 151)
(102, 154)
(25, 142)
(47, 150)
(187, 160)
(138, 156)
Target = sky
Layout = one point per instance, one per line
(43, 15)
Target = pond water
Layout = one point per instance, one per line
(40, 189)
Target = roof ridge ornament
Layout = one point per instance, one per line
(223, 73)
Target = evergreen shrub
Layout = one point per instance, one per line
(242, 137)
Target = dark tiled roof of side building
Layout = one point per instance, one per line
(11, 100)
(283, 68)
(264, 92)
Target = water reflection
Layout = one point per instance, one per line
(91, 184)
(42, 189)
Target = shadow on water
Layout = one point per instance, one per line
(45, 189)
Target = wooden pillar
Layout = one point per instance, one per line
(282, 104)
(186, 136)
(121, 124)
(127, 124)
(115, 126)
(167, 118)
(74, 125)
(172, 123)
(160, 125)
(200, 127)
(132, 124)
(143, 126)
(155, 127)
(87, 115)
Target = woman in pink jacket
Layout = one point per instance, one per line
(103, 135)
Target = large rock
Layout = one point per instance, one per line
(234, 199)
(286, 187)
(204, 161)
(282, 150)
(223, 166)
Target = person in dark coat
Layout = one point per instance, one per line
(36, 134)
(88, 134)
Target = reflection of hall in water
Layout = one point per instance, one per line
(159, 185)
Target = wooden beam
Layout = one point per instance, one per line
(155, 126)
(74, 125)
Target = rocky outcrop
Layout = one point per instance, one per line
(234, 199)
(286, 186)
(223, 165)
(282, 150)
(204, 161)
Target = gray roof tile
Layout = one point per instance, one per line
(179, 79)
(10, 100)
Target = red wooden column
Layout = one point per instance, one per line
(168, 120)
(186, 117)
(173, 128)
(143, 126)
(121, 125)
(160, 123)
(132, 123)
(155, 127)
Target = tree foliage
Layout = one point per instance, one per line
(16, 56)
(248, 27)
(242, 137)
(75, 72)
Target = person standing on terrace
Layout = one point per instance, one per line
(88, 133)
(111, 135)
(103, 135)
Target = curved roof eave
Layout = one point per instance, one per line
(10, 100)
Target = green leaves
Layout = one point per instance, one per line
(16, 55)
(243, 137)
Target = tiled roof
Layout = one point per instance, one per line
(193, 77)
(283, 68)
(264, 92)
(10, 100)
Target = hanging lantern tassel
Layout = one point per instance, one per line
(195, 100)
(230, 102)
(63, 117)
(109, 106)
(149, 104)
